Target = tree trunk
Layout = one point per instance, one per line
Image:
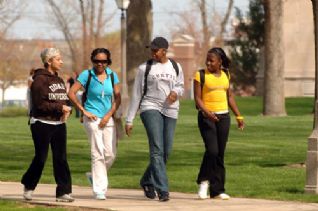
(274, 99)
(2, 97)
(312, 153)
(219, 39)
(84, 35)
(315, 9)
(205, 28)
(99, 26)
(139, 30)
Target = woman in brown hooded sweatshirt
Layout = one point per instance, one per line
(48, 115)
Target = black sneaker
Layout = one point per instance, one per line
(149, 191)
(163, 196)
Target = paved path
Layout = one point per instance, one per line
(133, 200)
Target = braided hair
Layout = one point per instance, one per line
(225, 60)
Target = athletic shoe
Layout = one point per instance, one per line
(27, 194)
(65, 198)
(163, 196)
(149, 191)
(203, 190)
(222, 196)
(100, 196)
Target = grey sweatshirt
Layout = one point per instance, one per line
(162, 79)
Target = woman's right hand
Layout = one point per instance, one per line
(212, 116)
(90, 116)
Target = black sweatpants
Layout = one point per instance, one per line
(43, 135)
(215, 136)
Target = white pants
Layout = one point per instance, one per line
(103, 151)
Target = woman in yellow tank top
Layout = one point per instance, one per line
(213, 100)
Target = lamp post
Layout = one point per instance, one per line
(123, 5)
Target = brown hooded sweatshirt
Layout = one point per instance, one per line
(48, 94)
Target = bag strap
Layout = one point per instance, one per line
(148, 67)
(202, 78)
(89, 77)
(112, 81)
(202, 81)
(175, 66)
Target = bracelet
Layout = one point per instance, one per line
(239, 118)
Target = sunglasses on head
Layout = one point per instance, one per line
(96, 61)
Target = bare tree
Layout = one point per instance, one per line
(212, 24)
(139, 29)
(62, 21)
(205, 28)
(219, 38)
(10, 12)
(9, 74)
(84, 34)
(91, 24)
(274, 99)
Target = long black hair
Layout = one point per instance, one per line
(104, 51)
(225, 60)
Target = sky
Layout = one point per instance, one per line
(34, 24)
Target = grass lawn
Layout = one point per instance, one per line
(260, 160)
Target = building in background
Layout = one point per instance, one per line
(299, 67)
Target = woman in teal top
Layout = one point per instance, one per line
(101, 85)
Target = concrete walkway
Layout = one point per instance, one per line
(133, 200)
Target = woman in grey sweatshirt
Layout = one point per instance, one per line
(158, 85)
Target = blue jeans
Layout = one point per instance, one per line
(160, 131)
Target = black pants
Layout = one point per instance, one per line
(43, 135)
(215, 135)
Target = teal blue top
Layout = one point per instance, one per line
(99, 95)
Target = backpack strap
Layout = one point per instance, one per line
(175, 66)
(202, 78)
(84, 96)
(112, 78)
(148, 67)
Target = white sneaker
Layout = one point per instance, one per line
(100, 196)
(222, 196)
(65, 198)
(27, 194)
(203, 190)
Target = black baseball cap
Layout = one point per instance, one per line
(158, 42)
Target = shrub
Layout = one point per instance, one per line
(13, 111)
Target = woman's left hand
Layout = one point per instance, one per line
(172, 97)
(240, 124)
(66, 113)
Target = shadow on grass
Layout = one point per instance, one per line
(292, 190)
(272, 165)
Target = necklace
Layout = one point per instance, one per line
(103, 93)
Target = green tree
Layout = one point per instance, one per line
(246, 47)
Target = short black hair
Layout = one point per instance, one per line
(104, 51)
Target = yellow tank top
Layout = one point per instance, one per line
(214, 91)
